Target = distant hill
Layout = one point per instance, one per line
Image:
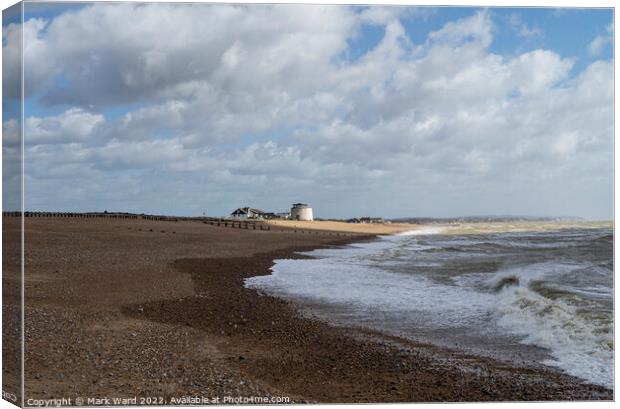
(481, 219)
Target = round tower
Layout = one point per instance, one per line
(302, 212)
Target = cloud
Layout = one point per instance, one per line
(11, 133)
(538, 70)
(163, 46)
(598, 44)
(235, 109)
(71, 126)
(521, 28)
(477, 28)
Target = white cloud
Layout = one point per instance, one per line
(162, 46)
(235, 105)
(539, 70)
(521, 28)
(72, 125)
(597, 45)
(600, 42)
(477, 28)
(565, 144)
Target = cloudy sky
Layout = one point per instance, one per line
(402, 111)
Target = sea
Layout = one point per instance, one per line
(539, 295)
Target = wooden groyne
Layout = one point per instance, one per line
(250, 224)
(212, 221)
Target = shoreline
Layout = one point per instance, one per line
(124, 308)
(310, 286)
(307, 352)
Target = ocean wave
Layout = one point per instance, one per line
(579, 342)
(559, 301)
(422, 231)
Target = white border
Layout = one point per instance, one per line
(480, 3)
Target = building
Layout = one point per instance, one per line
(371, 220)
(247, 213)
(276, 216)
(301, 211)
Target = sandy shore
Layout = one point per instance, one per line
(365, 228)
(123, 308)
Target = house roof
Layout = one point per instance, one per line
(246, 210)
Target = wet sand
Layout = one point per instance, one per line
(123, 308)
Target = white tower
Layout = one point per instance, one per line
(301, 211)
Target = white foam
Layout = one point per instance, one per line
(344, 281)
(423, 231)
(353, 278)
(578, 345)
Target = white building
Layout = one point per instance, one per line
(247, 213)
(301, 211)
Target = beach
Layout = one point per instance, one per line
(122, 308)
(334, 226)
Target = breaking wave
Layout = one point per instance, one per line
(576, 330)
(551, 291)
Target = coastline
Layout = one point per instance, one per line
(164, 312)
(292, 350)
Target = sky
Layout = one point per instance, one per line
(186, 109)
